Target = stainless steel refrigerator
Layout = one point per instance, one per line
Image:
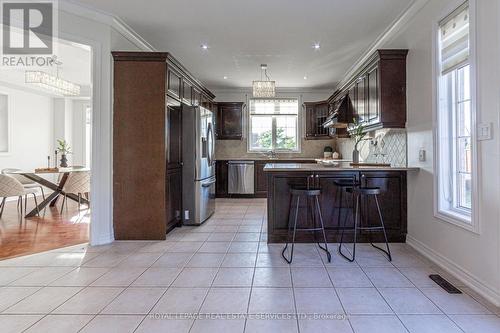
(198, 171)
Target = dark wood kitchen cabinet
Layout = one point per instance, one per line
(174, 83)
(393, 203)
(221, 176)
(378, 91)
(173, 145)
(316, 114)
(260, 179)
(149, 89)
(229, 123)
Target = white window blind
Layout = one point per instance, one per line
(454, 39)
(287, 106)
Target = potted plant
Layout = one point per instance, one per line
(63, 148)
(358, 134)
(327, 152)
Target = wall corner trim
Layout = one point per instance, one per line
(464, 276)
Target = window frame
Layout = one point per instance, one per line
(456, 216)
(8, 152)
(273, 128)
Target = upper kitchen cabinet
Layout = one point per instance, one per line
(174, 83)
(229, 123)
(316, 115)
(187, 92)
(185, 88)
(378, 90)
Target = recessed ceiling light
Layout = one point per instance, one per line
(305, 77)
(204, 46)
(225, 77)
(316, 46)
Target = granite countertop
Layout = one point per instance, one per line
(274, 167)
(265, 158)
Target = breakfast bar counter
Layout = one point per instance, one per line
(336, 205)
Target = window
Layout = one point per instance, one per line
(273, 124)
(455, 117)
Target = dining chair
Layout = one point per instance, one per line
(11, 187)
(26, 182)
(77, 183)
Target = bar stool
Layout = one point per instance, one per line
(309, 194)
(364, 193)
(343, 185)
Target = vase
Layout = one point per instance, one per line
(355, 156)
(64, 161)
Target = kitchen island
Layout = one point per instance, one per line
(393, 201)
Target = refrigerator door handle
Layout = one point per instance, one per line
(208, 184)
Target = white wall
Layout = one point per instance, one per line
(474, 258)
(31, 129)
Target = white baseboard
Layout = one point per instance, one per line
(463, 275)
(102, 240)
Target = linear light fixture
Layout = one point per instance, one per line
(263, 88)
(52, 83)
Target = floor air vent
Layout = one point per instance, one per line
(444, 284)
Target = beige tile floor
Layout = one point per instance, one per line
(226, 267)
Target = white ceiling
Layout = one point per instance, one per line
(243, 34)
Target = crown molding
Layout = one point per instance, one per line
(248, 90)
(392, 30)
(108, 19)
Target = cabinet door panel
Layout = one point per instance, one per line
(187, 93)
(229, 121)
(221, 174)
(174, 200)
(361, 99)
(392, 199)
(373, 97)
(174, 137)
(282, 197)
(260, 179)
(334, 217)
(174, 83)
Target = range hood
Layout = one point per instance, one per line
(339, 116)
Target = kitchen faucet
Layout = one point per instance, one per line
(272, 154)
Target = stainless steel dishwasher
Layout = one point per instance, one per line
(241, 175)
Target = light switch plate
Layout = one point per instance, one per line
(421, 155)
(484, 131)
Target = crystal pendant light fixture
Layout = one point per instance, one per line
(52, 83)
(264, 88)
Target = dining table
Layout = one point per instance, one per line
(56, 187)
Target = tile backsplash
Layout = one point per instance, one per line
(228, 149)
(386, 146)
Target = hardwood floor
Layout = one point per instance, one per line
(52, 230)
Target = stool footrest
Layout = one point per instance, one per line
(308, 229)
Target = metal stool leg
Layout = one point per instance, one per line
(294, 231)
(355, 220)
(328, 255)
(388, 252)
